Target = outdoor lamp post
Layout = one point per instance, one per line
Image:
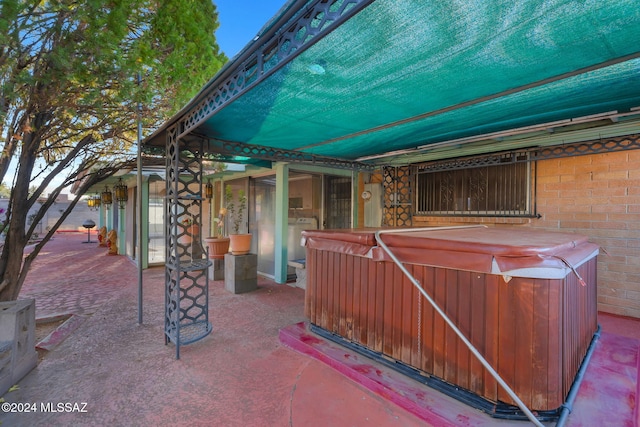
(121, 191)
(107, 197)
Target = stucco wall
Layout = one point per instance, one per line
(74, 221)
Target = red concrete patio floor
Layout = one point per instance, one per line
(242, 374)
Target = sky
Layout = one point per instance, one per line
(240, 21)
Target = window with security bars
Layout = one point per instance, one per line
(496, 190)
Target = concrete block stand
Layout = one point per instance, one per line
(216, 271)
(241, 273)
(18, 353)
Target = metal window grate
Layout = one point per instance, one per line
(337, 202)
(496, 190)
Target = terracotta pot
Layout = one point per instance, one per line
(192, 232)
(218, 246)
(240, 243)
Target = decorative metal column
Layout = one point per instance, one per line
(186, 317)
(398, 196)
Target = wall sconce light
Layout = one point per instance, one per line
(94, 202)
(208, 190)
(121, 191)
(107, 197)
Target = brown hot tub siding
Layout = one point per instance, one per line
(534, 332)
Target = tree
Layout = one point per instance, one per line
(69, 96)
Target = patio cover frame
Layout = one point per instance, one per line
(309, 29)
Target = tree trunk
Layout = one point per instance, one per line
(12, 279)
(12, 260)
(12, 263)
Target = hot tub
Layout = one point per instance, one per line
(526, 299)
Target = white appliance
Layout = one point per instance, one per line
(296, 226)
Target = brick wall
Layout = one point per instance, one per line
(598, 196)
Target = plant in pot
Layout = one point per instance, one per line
(191, 230)
(240, 243)
(218, 243)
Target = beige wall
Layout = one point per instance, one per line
(598, 196)
(74, 221)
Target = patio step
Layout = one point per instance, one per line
(63, 331)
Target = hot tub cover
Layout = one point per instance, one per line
(511, 252)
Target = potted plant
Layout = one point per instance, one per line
(218, 243)
(240, 242)
(192, 230)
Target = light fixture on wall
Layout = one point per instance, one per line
(121, 191)
(94, 202)
(208, 190)
(106, 197)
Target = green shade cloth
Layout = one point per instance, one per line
(406, 73)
